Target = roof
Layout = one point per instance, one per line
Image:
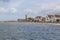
(50, 16)
(30, 18)
(57, 15)
(38, 17)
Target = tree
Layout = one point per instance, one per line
(57, 20)
(36, 20)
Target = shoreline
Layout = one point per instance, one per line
(33, 23)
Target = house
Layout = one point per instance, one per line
(50, 18)
(57, 18)
(43, 19)
(30, 19)
(38, 19)
(53, 18)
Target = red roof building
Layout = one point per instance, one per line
(30, 19)
(38, 18)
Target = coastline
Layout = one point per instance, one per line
(32, 23)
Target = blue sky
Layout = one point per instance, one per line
(14, 9)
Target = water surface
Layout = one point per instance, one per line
(29, 31)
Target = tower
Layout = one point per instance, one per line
(26, 17)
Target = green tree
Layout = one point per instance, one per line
(57, 20)
(36, 20)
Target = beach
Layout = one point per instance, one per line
(15, 22)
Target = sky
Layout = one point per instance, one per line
(17, 9)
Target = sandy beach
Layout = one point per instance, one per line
(32, 23)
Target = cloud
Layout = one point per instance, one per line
(2, 10)
(28, 10)
(33, 6)
(43, 9)
(11, 3)
(15, 3)
(5, 10)
(13, 10)
(56, 7)
(5, 0)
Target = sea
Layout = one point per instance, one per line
(29, 31)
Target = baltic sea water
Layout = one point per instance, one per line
(29, 31)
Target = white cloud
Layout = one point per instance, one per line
(50, 6)
(13, 10)
(46, 6)
(57, 7)
(36, 8)
(3, 10)
(28, 10)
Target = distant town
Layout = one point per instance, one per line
(47, 19)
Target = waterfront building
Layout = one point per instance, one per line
(57, 18)
(30, 19)
(21, 20)
(43, 19)
(52, 18)
(38, 19)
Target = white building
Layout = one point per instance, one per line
(52, 18)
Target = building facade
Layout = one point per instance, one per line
(52, 18)
(38, 19)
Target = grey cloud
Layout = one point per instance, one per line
(5, 0)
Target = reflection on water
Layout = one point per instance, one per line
(29, 32)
